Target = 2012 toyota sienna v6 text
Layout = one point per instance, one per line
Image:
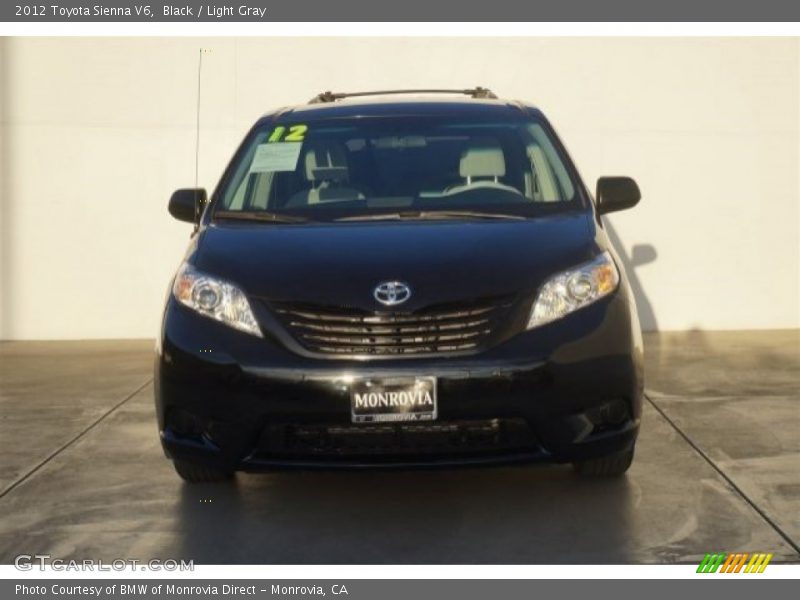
(398, 281)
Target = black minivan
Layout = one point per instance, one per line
(400, 281)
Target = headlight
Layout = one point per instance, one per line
(214, 298)
(573, 289)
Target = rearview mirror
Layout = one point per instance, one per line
(187, 204)
(616, 193)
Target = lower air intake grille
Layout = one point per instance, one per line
(386, 441)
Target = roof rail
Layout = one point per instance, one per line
(477, 92)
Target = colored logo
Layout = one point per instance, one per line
(734, 563)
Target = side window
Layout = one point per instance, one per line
(550, 181)
(236, 201)
(543, 184)
(259, 193)
(252, 192)
(236, 191)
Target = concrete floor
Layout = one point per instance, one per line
(717, 469)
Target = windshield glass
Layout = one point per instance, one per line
(366, 167)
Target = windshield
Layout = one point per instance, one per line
(367, 167)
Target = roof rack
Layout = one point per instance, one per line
(477, 92)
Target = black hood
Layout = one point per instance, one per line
(340, 264)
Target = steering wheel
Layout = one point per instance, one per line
(463, 187)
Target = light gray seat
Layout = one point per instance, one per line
(482, 165)
(327, 171)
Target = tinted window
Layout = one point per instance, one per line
(336, 167)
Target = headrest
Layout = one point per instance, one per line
(326, 161)
(483, 159)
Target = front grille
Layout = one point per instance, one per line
(386, 441)
(353, 332)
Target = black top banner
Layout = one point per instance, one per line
(402, 10)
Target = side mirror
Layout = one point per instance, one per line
(616, 193)
(187, 204)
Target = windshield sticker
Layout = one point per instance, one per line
(272, 158)
(295, 133)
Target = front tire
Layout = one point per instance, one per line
(197, 473)
(611, 465)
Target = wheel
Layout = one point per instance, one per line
(611, 465)
(196, 473)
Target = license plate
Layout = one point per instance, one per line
(393, 399)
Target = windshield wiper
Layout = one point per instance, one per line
(432, 214)
(260, 215)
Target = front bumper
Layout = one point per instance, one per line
(567, 391)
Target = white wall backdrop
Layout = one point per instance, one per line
(96, 133)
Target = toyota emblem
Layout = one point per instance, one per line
(392, 293)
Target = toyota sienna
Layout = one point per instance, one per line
(400, 281)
